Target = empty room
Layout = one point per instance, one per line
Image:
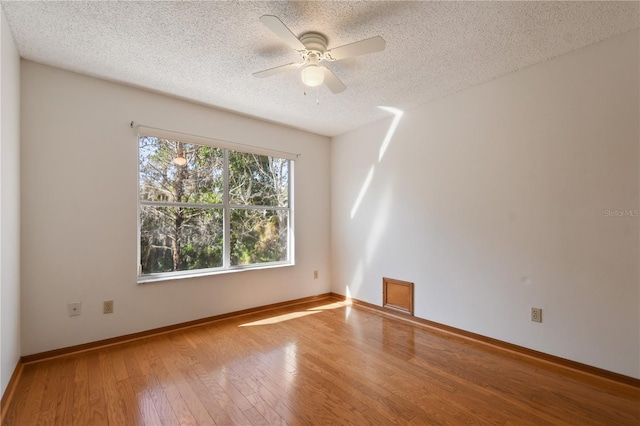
(327, 212)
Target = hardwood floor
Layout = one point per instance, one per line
(315, 363)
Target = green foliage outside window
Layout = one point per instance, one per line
(182, 207)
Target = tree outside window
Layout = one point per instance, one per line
(208, 208)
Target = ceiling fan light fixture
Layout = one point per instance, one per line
(312, 76)
(180, 160)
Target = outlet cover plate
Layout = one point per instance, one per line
(107, 307)
(74, 309)
(536, 314)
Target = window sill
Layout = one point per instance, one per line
(172, 276)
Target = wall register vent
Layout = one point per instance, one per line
(397, 295)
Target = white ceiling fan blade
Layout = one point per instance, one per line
(362, 47)
(281, 30)
(333, 83)
(276, 70)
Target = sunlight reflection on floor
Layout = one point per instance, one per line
(293, 315)
(331, 306)
(279, 318)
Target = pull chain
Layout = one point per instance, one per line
(317, 94)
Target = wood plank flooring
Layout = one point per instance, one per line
(316, 363)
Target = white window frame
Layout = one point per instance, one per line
(226, 206)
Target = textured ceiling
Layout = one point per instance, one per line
(206, 51)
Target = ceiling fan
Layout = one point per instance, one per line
(312, 46)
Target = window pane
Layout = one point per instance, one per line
(162, 178)
(175, 238)
(258, 236)
(180, 239)
(258, 180)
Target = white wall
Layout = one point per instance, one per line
(492, 201)
(9, 204)
(79, 180)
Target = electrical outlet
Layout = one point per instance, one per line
(107, 307)
(536, 314)
(74, 309)
(315, 275)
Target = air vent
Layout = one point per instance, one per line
(397, 295)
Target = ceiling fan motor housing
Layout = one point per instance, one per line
(314, 42)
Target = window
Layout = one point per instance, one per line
(204, 209)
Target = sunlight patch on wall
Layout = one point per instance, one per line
(383, 148)
(378, 227)
(358, 278)
(363, 191)
(392, 129)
